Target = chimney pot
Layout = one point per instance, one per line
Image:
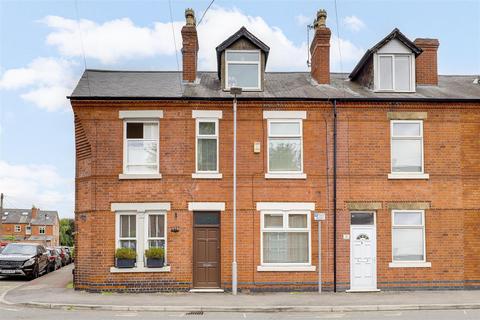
(321, 20)
(190, 17)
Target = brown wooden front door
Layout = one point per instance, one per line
(206, 250)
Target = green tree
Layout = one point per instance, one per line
(67, 228)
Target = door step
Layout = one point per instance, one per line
(206, 290)
(361, 290)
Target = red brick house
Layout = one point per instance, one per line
(387, 154)
(30, 225)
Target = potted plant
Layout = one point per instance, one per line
(125, 258)
(155, 257)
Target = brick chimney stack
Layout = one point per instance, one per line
(426, 71)
(34, 212)
(320, 49)
(190, 46)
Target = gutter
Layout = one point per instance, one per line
(227, 99)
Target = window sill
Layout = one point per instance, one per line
(126, 176)
(138, 270)
(295, 176)
(207, 176)
(286, 268)
(410, 265)
(417, 176)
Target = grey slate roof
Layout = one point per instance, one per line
(18, 216)
(104, 84)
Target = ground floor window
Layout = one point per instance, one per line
(128, 231)
(285, 237)
(156, 231)
(408, 235)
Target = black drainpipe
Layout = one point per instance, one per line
(334, 195)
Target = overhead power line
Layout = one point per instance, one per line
(204, 13)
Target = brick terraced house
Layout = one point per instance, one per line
(387, 154)
(30, 225)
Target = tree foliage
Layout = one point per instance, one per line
(67, 229)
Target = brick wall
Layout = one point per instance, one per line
(363, 166)
(426, 72)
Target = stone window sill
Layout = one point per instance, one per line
(412, 176)
(295, 176)
(126, 176)
(410, 265)
(286, 268)
(207, 176)
(138, 270)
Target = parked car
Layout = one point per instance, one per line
(55, 261)
(63, 255)
(68, 251)
(24, 259)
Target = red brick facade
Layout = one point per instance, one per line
(452, 191)
(426, 63)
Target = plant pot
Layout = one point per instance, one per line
(125, 263)
(155, 263)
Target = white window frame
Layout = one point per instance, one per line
(117, 224)
(125, 148)
(28, 229)
(18, 228)
(412, 263)
(141, 210)
(146, 228)
(393, 56)
(269, 136)
(407, 175)
(258, 63)
(285, 228)
(210, 137)
(42, 230)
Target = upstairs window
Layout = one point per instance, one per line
(242, 69)
(41, 230)
(141, 147)
(285, 146)
(395, 72)
(207, 145)
(407, 146)
(18, 228)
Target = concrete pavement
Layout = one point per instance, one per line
(51, 292)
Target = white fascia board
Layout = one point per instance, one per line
(206, 206)
(140, 114)
(310, 206)
(217, 114)
(284, 114)
(140, 206)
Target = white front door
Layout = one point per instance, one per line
(363, 258)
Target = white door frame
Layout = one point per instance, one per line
(374, 248)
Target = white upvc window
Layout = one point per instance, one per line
(408, 236)
(394, 72)
(406, 149)
(141, 145)
(41, 230)
(28, 229)
(141, 226)
(207, 145)
(285, 238)
(18, 228)
(285, 146)
(243, 69)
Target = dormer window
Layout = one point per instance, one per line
(243, 69)
(395, 72)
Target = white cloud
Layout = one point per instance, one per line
(41, 185)
(353, 23)
(113, 40)
(47, 82)
(302, 20)
(120, 39)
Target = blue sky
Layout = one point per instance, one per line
(41, 58)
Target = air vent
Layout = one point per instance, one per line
(194, 313)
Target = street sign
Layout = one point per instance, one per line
(319, 216)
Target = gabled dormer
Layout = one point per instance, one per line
(241, 61)
(389, 66)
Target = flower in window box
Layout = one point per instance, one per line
(125, 258)
(155, 257)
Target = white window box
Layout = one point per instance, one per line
(293, 176)
(286, 268)
(412, 264)
(138, 270)
(207, 176)
(412, 176)
(126, 176)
